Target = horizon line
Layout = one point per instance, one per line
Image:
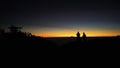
(75, 36)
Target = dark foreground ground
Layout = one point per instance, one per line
(65, 48)
(89, 43)
(61, 43)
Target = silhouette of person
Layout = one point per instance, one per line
(84, 36)
(78, 36)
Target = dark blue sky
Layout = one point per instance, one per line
(62, 16)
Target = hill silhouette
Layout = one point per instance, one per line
(15, 38)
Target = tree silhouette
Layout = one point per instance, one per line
(15, 38)
(14, 29)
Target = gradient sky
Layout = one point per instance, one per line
(50, 18)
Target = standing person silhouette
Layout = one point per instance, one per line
(84, 36)
(78, 36)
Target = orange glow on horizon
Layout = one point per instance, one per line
(73, 34)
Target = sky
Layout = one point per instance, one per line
(54, 18)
